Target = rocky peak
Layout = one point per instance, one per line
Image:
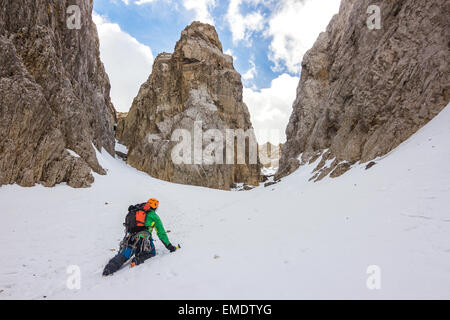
(195, 83)
(55, 107)
(364, 91)
(201, 33)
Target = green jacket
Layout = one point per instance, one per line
(152, 221)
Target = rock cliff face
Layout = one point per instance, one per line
(362, 92)
(55, 105)
(121, 116)
(269, 155)
(195, 83)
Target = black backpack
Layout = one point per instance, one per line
(135, 219)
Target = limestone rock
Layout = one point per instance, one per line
(269, 155)
(362, 92)
(196, 83)
(55, 105)
(121, 116)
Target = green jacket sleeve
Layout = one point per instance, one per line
(159, 228)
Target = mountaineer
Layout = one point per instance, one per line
(138, 244)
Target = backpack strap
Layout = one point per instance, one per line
(146, 207)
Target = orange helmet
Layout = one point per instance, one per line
(153, 203)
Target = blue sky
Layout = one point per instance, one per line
(267, 38)
(159, 24)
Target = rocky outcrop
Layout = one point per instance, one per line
(121, 116)
(55, 105)
(269, 155)
(197, 83)
(362, 92)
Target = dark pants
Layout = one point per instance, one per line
(138, 246)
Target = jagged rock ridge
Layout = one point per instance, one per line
(362, 92)
(196, 83)
(55, 104)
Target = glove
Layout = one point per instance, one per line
(171, 248)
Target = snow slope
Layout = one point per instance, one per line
(293, 240)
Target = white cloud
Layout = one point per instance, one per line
(251, 73)
(142, 2)
(271, 108)
(243, 26)
(294, 27)
(127, 62)
(201, 8)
